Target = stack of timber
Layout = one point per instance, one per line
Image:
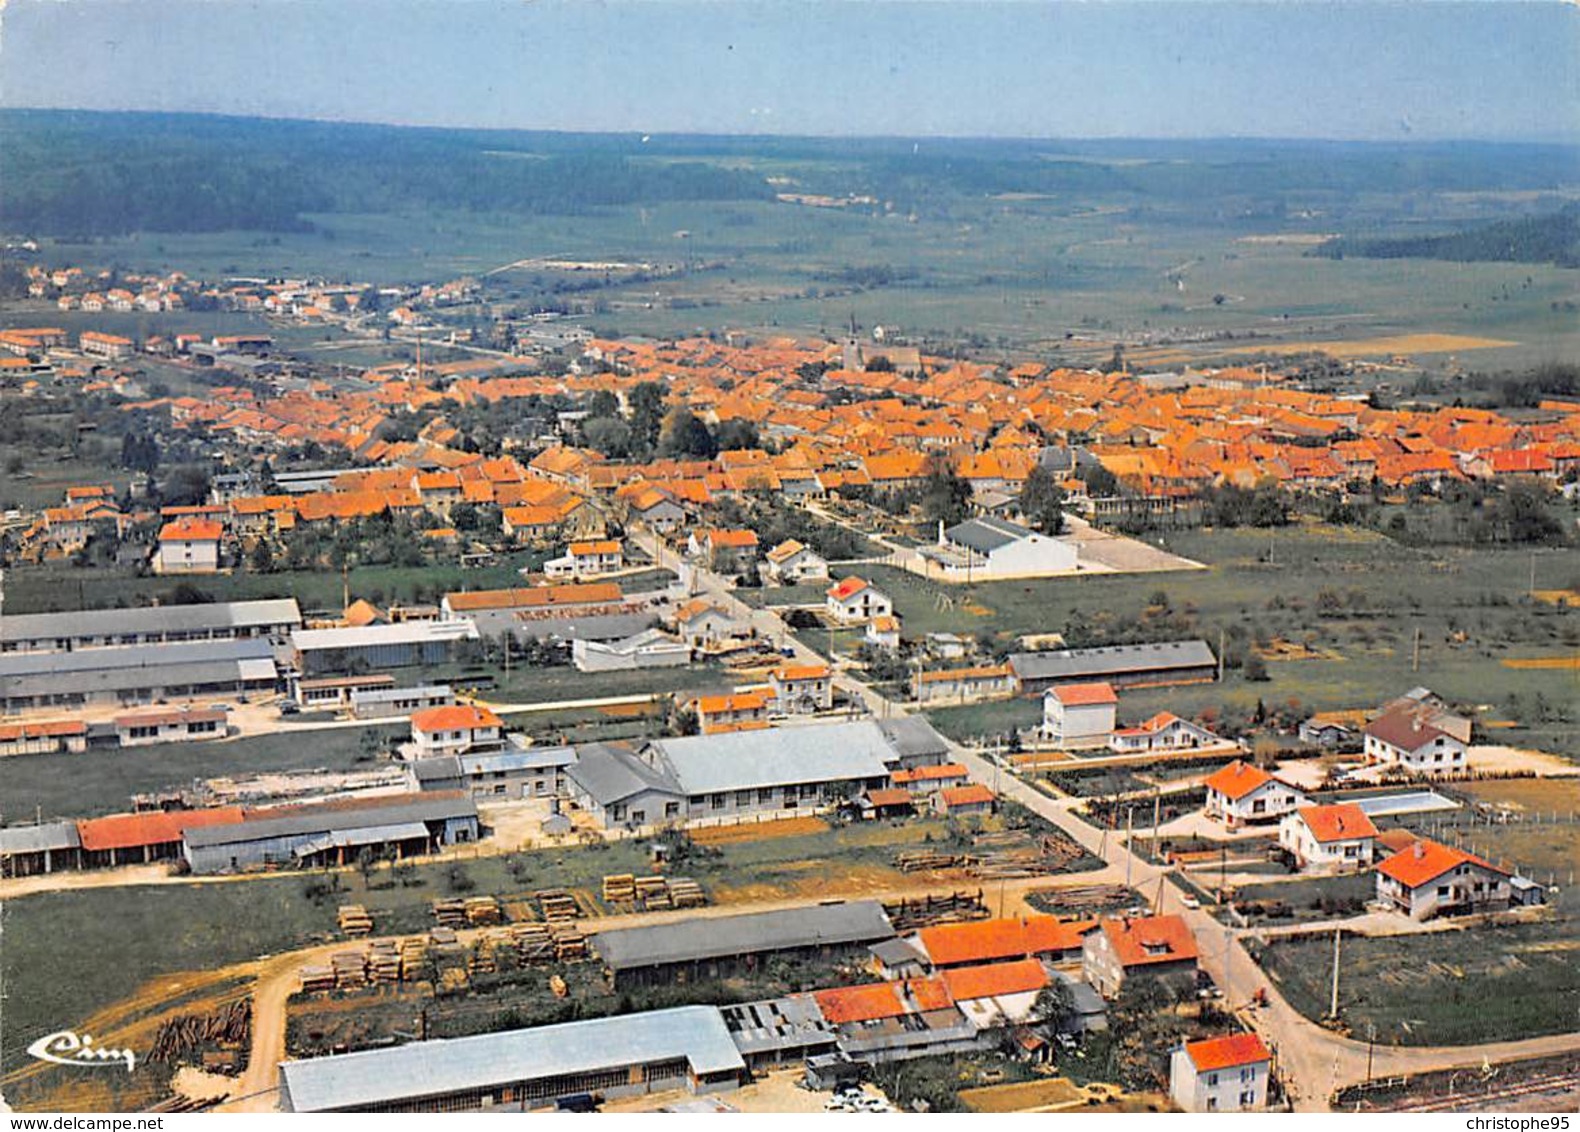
(482, 910)
(653, 893)
(452, 980)
(557, 905)
(1090, 898)
(316, 979)
(450, 913)
(534, 942)
(355, 921)
(230, 1025)
(920, 860)
(619, 889)
(481, 960)
(686, 893)
(351, 969)
(384, 963)
(413, 960)
(569, 942)
(910, 914)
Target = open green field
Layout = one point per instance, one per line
(1355, 596)
(1441, 988)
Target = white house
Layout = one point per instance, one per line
(855, 600)
(1163, 732)
(802, 688)
(587, 560)
(1076, 716)
(189, 546)
(176, 725)
(1334, 838)
(455, 730)
(883, 631)
(703, 624)
(1241, 793)
(792, 562)
(1228, 1074)
(1427, 879)
(1422, 740)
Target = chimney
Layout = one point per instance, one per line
(1420, 850)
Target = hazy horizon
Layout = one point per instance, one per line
(964, 69)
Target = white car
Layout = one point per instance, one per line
(1190, 901)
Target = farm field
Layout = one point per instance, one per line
(1440, 988)
(1354, 596)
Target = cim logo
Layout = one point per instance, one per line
(65, 1047)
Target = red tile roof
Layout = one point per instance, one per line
(995, 979)
(1081, 695)
(52, 728)
(1237, 780)
(132, 831)
(847, 588)
(972, 794)
(931, 773)
(1224, 1053)
(1425, 861)
(1342, 821)
(191, 530)
(949, 945)
(1153, 939)
(454, 717)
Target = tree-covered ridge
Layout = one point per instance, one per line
(1551, 238)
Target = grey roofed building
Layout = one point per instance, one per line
(322, 819)
(441, 773)
(859, 922)
(792, 1025)
(150, 625)
(986, 534)
(610, 772)
(46, 838)
(746, 760)
(523, 758)
(1117, 664)
(915, 741)
(425, 1071)
(135, 672)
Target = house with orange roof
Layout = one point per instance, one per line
(455, 729)
(792, 562)
(189, 545)
(1331, 838)
(734, 711)
(800, 689)
(854, 601)
(1079, 716)
(587, 559)
(883, 631)
(728, 551)
(1239, 793)
(1160, 947)
(1224, 1074)
(1164, 731)
(1427, 879)
(965, 801)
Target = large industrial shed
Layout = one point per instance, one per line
(332, 833)
(516, 1070)
(371, 647)
(134, 674)
(1121, 666)
(26, 850)
(615, 787)
(153, 625)
(717, 947)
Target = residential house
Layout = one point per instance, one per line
(853, 600)
(727, 551)
(883, 632)
(928, 780)
(1331, 838)
(736, 711)
(1419, 738)
(799, 689)
(456, 729)
(1161, 947)
(704, 624)
(1241, 794)
(189, 546)
(587, 560)
(1227, 1074)
(1163, 732)
(964, 801)
(1427, 879)
(1079, 716)
(964, 685)
(790, 563)
(175, 725)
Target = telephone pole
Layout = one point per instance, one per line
(1333, 1004)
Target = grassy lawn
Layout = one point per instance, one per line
(1296, 901)
(103, 781)
(1449, 988)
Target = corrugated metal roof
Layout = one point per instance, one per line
(912, 736)
(610, 772)
(986, 535)
(436, 1068)
(123, 657)
(1073, 664)
(39, 838)
(834, 752)
(306, 820)
(530, 758)
(162, 618)
(369, 636)
(366, 835)
(861, 921)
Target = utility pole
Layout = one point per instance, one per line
(1129, 855)
(1220, 656)
(1415, 652)
(1333, 1004)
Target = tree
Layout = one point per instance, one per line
(1042, 500)
(683, 434)
(609, 435)
(945, 496)
(646, 403)
(1255, 668)
(1101, 483)
(737, 433)
(1054, 1007)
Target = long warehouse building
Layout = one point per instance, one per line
(271, 619)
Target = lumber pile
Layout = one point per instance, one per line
(317, 979)
(354, 920)
(450, 913)
(686, 893)
(557, 905)
(481, 910)
(453, 980)
(351, 970)
(920, 860)
(619, 888)
(230, 1025)
(534, 943)
(910, 914)
(481, 960)
(653, 893)
(384, 965)
(569, 942)
(413, 960)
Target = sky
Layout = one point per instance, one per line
(1411, 69)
